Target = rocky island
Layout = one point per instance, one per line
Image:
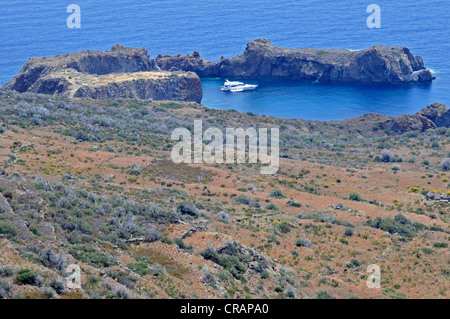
(378, 64)
(119, 73)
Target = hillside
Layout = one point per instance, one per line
(91, 182)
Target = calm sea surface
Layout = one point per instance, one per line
(223, 28)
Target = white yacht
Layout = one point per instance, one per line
(237, 86)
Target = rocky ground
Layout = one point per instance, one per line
(90, 182)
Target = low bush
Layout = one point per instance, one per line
(322, 294)
(58, 285)
(5, 289)
(293, 203)
(180, 243)
(91, 256)
(446, 164)
(8, 229)
(5, 271)
(355, 197)
(188, 209)
(276, 193)
(153, 235)
(50, 259)
(399, 225)
(348, 232)
(28, 277)
(303, 242)
(272, 206)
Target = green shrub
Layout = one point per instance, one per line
(272, 206)
(6, 192)
(166, 240)
(278, 289)
(354, 263)
(5, 271)
(229, 258)
(152, 236)
(34, 229)
(180, 243)
(58, 285)
(348, 232)
(188, 209)
(293, 203)
(355, 197)
(244, 199)
(303, 242)
(91, 256)
(121, 277)
(440, 245)
(28, 277)
(428, 251)
(322, 294)
(276, 193)
(171, 105)
(210, 254)
(399, 225)
(140, 268)
(232, 264)
(5, 289)
(284, 227)
(8, 229)
(446, 164)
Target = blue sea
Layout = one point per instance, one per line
(223, 28)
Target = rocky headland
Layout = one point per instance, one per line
(119, 73)
(378, 64)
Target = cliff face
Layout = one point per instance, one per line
(119, 73)
(177, 86)
(262, 59)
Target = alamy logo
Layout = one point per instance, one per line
(374, 20)
(374, 280)
(74, 279)
(231, 149)
(74, 20)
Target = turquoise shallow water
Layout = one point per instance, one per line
(222, 28)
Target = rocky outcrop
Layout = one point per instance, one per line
(190, 63)
(433, 116)
(438, 113)
(119, 73)
(262, 59)
(406, 123)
